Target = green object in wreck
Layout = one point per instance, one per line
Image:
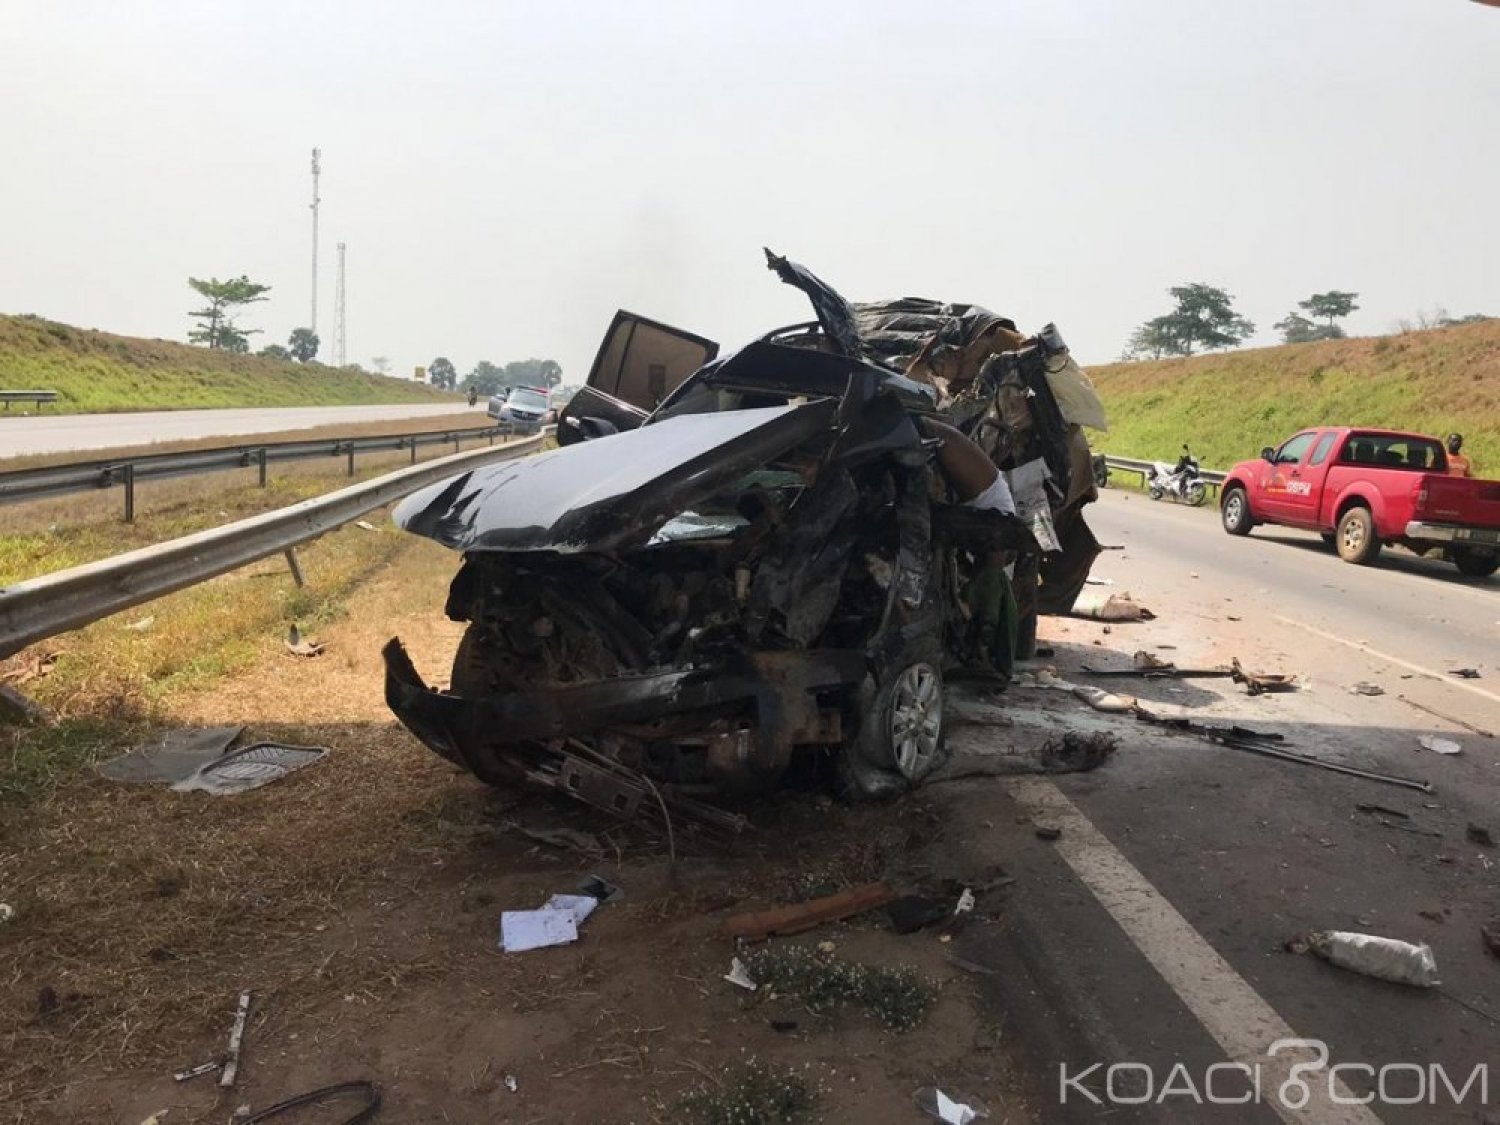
(994, 617)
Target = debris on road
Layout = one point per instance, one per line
(364, 525)
(1078, 752)
(1101, 700)
(1260, 683)
(1465, 673)
(738, 976)
(555, 923)
(298, 645)
(173, 756)
(1098, 606)
(236, 1042)
(255, 765)
(1048, 832)
(1365, 687)
(1400, 821)
(1269, 745)
(1481, 731)
(1478, 834)
(955, 1108)
(7, 912)
(801, 917)
(1439, 745)
(511, 1083)
(1381, 957)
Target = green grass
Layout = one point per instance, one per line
(1229, 405)
(97, 371)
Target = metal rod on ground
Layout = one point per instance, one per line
(130, 493)
(236, 1036)
(296, 566)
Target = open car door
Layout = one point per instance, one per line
(639, 363)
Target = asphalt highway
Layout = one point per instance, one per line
(57, 433)
(1150, 933)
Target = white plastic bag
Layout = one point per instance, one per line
(1381, 957)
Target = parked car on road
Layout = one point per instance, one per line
(1362, 489)
(524, 407)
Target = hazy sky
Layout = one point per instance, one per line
(508, 174)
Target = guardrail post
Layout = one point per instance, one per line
(413, 451)
(129, 492)
(455, 443)
(260, 459)
(351, 459)
(295, 565)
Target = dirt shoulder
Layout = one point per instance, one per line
(360, 901)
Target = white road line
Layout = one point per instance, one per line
(1230, 1010)
(1360, 646)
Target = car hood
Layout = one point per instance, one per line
(611, 492)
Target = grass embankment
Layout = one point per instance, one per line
(1227, 406)
(98, 371)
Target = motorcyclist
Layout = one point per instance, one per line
(473, 396)
(1458, 464)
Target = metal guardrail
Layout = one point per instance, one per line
(20, 485)
(42, 607)
(37, 397)
(1212, 477)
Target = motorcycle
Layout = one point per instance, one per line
(1181, 481)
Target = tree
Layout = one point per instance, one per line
(275, 351)
(485, 379)
(1330, 306)
(303, 344)
(225, 299)
(442, 374)
(1297, 329)
(381, 364)
(1204, 317)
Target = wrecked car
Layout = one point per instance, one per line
(738, 563)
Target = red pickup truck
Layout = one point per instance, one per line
(1365, 488)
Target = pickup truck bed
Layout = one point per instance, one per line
(1362, 489)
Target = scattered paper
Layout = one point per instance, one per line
(556, 923)
(1364, 687)
(738, 975)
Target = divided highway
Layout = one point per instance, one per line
(58, 433)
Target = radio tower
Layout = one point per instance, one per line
(340, 319)
(312, 321)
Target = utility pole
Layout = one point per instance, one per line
(312, 320)
(340, 317)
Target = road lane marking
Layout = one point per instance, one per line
(1242, 1023)
(1451, 681)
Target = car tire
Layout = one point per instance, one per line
(900, 738)
(1235, 512)
(1471, 564)
(1357, 541)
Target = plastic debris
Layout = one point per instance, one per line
(1100, 606)
(249, 768)
(596, 886)
(141, 626)
(556, 923)
(195, 1071)
(955, 1108)
(173, 757)
(156, 1118)
(7, 912)
(1101, 700)
(511, 1084)
(364, 525)
(1465, 673)
(965, 902)
(1381, 957)
(236, 1041)
(1365, 687)
(298, 645)
(1439, 745)
(737, 975)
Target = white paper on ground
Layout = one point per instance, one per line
(1439, 745)
(578, 907)
(521, 930)
(950, 1110)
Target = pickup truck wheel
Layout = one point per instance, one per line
(1472, 564)
(1236, 512)
(899, 737)
(1357, 541)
